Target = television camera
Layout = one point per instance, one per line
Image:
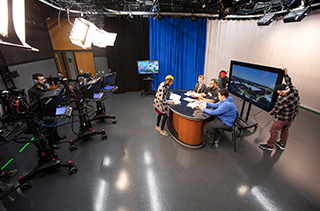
(15, 103)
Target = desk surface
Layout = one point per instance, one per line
(187, 112)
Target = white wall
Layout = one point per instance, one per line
(295, 46)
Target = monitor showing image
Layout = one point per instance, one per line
(255, 83)
(148, 67)
(60, 110)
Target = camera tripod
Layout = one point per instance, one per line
(101, 113)
(86, 130)
(48, 160)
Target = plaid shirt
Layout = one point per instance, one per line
(287, 106)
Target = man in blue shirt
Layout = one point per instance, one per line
(224, 114)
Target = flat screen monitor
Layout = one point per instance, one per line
(92, 87)
(50, 100)
(255, 83)
(148, 67)
(97, 95)
(61, 111)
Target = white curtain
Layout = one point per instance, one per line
(295, 46)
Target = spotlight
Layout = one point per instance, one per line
(297, 15)
(267, 19)
(192, 18)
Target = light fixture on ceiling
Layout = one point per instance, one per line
(297, 15)
(4, 18)
(266, 19)
(82, 33)
(103, 39)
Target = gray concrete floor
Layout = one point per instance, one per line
(138, 169)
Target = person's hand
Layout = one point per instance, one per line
(200, 107)
(270, 113)
(285, 70)
(171, 103)
(203, 95)
(200, 98)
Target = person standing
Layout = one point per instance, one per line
(160, 103)
(211, 93)
(223, 79)
(35, 92)
(285, 111)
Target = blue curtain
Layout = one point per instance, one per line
(179, 45)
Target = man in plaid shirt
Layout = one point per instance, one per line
(285, 111)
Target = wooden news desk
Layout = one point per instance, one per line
(185, 124)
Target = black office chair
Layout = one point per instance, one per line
(234, 135)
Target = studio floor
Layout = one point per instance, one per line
(136, 168)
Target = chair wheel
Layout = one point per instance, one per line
(25, 186)
(104, 136)
(114, 121)
(73, 170)
(73, 147)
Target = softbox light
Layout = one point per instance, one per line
(103, 38)
(82, 33)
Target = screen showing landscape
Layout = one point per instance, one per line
(255, 83)
(148, 67)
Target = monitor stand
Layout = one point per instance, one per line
(244, 124)
(149, 80)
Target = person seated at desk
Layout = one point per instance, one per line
(200, 87)
(160, 103)
(211, 92)
(223, 116)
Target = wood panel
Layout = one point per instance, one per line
(85, 61)
(189, 131)
(60, 36)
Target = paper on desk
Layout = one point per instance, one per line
(192, 105)
(176, 102)
(197, 103)
(174, 97)
(188, 99)
(190, 93)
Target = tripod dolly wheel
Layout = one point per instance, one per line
(73, 170)
(114, 121)
(104, 136)
(73, 147)
(25, 186)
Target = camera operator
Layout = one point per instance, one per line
(80, 78)
(35, 92)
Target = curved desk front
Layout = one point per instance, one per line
(185, 124)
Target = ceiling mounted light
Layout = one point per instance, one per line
(266, 19)
(297, 15)
(103, 39)
(82, 33)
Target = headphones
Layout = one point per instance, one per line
(35, 81)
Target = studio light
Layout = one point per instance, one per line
(267, 19)
(103, 39)
(4, 18)
(297, 15)
(82, 33)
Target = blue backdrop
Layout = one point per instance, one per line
(179, 45)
